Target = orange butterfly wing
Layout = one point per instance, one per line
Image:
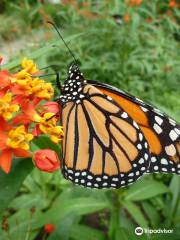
(102, 146)
(161, 132)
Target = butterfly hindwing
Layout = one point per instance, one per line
(161, 132)
(103, 146)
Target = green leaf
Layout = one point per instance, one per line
(63, 229)
(20, 221)
(125, 234)
(81, 232)
(151, 213)
(175, 189)
(145, 189)
(136, 213)
(126, 221)
(11, 183)
(113, 222)
(122, 233)
(28, 201)
(20, 225)
(80, 206)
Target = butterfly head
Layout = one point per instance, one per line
(73, 85)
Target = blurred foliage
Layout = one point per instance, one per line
(140, 55)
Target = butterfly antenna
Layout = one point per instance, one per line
(58, 32)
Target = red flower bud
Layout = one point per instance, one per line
(49, 228)
(46, 160)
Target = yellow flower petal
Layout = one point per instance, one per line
(54, 139)
(7, 98)
(29, 137)
(6, 107)
(24, 146)
(14, 108)
(29, 66)
(7, 115)
(19, 138)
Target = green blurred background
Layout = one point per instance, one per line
(137, 51)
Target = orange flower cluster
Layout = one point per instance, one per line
(23, 115)
(127, 17)
(49, 228)
(132, 3)
(173, 4)
(135, 2)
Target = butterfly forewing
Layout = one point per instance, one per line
(161, 132)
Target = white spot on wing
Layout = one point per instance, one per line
(164, 161)
(144, 109)
(139, 146)
(157, 128)
(146, 156)
(130, 180)
(173, 135)
(177, 131)
(98, 179)
(109, 98)
(170, 150)
(156, 168)
(141, 161)
(139, 100)
(172, 122)
(158, 120)
(131, 175)
(124, 115)
(115, 179)
(140, 137)
(135, 125)
(89, 177)
(153, 159)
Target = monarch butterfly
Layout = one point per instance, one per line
(110, 137)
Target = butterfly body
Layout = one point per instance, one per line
(111, 138)
(73, 86)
